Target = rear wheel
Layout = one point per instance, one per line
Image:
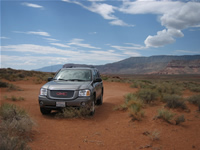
(45, 111)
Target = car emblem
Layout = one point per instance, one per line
(61, 93)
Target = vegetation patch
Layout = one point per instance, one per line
(166, 115)
(174, 101)
(3, 84)
(14, 98)
(134, 106)
(147, 95)
(15, 127)
(180, 119)
(195, 99)
(72, 112)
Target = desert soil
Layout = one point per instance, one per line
(107, 129)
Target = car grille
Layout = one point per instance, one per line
(61, 94)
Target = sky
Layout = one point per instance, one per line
(39, 33)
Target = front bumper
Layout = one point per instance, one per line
(45, 102)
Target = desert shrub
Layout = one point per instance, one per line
(195, 87)
(165, 114)
(13, 98)
(134, 105)
(147, 95)
(195, 99)
(3, 84)
(72, 112)
(174, 101)
(12, 87)
(180, 119)
(135, 109)
(169, 88)
(154, 135)
(15, 126)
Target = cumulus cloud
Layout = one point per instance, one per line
(174, 15)
(162, 38)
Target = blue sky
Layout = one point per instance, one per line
(41, 33)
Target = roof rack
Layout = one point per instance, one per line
(77, 66)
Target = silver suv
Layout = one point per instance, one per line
(76, 87)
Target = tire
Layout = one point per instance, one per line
(45, 111)
(100, 100)
(92, 109)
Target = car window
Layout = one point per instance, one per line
(74, 74)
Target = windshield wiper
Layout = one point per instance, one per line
(63, 79)
(75, 80)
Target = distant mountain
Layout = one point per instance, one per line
(145, 65)
(52, 68)
(187, 64)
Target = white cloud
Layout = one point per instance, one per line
(174, 15)
(32, 5)
(120, 23)
(51, 39)
(41, 33)
(37, 49)
(132, 54)
(162, 38)
(132, 47)
(3, 37)
(103, 9)
(78, 42)
(38, 33)
(60, 45)
(60, 56)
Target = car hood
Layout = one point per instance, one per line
(66, 85)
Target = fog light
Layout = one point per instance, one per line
(83, 103)
(41, 103)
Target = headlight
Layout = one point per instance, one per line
(43, 91)
(84, 93)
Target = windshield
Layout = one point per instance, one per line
(74, 75)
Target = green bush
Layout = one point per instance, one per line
(166, 115)
(169, 88)
(195, 99)
(147, 95)
(174, 101)
(135, 109)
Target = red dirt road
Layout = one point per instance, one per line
(107, 129)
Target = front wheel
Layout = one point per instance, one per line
(92, 108)
(45, 111)
(100, 100)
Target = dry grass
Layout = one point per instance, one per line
(15, 127)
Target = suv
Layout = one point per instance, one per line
(72, 87)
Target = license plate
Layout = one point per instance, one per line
(60, 104)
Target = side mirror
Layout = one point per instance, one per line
(50, 79)
(98, 80)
